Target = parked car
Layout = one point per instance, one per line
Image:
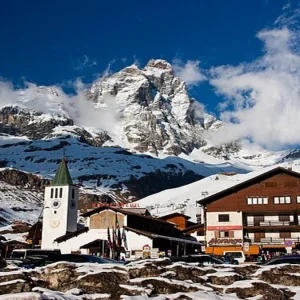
(204, 259)
(287, 259)
(75, 258)
(238, 255)
(24, 253)
(229, 260)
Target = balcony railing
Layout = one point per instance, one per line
(270, 223)
(275, 240)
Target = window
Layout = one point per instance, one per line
(282, 200)
(223, 218)
(257, 200)
(51, 196)
(73, 193)
(291, 183)
(271, 184)
(224, 234)
(60, 192)
(298, 199)
(56, 192)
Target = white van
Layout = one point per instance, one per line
(238, 255)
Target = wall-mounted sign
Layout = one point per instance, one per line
(220, 242)
(246, 246)
(154, 253)
(235, 227)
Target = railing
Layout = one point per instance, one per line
(270, 223)
(271, 240)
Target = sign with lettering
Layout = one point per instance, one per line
(233, 227)
(225, 242)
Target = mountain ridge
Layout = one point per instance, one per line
(129, 135)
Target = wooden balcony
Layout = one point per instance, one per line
(270, 223)
(275, 240)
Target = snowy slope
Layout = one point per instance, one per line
(183, 199)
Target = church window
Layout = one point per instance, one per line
(73, 193)
(55, 212)
(51, 196)
(60, 192)
(56, 192)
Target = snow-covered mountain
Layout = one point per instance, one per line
(127, 136)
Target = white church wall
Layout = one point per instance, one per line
(58, 216)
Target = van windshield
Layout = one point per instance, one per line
(234, 254)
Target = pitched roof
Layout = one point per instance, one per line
(70, 235)
(174, 214)
(193, 228)
(248, 182)
(124, 212)
(62, 176)
(151, 235)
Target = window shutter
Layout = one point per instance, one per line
(217, 234)
(231, 234)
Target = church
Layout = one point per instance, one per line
(108, 231)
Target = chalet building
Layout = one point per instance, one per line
(260, 213)
(109, 230)
(141, 236)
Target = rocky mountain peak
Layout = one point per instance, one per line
(159, 64)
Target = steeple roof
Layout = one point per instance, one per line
(62, 176)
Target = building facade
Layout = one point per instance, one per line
(261, 213)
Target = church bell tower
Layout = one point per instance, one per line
(60, 207)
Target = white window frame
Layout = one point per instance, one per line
(283, 200)
(257, 200)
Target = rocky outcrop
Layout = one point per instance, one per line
(35, 125)
(148, 278)
(156, 112)
(23, 179)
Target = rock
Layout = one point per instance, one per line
(147, 270)
(282, 275)
(259, 289)
(246, 270)
(165, 286)
(187, 272)
(225, 279)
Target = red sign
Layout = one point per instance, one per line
(237, 227)
(225, 242)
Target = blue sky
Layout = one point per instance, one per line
(49, 42)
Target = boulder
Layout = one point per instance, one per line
(165, 286)
(258, 289)
(282, 275)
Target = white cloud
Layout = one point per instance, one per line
(53, 101)
(189, 72)
(82, 63)
(263, 97)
